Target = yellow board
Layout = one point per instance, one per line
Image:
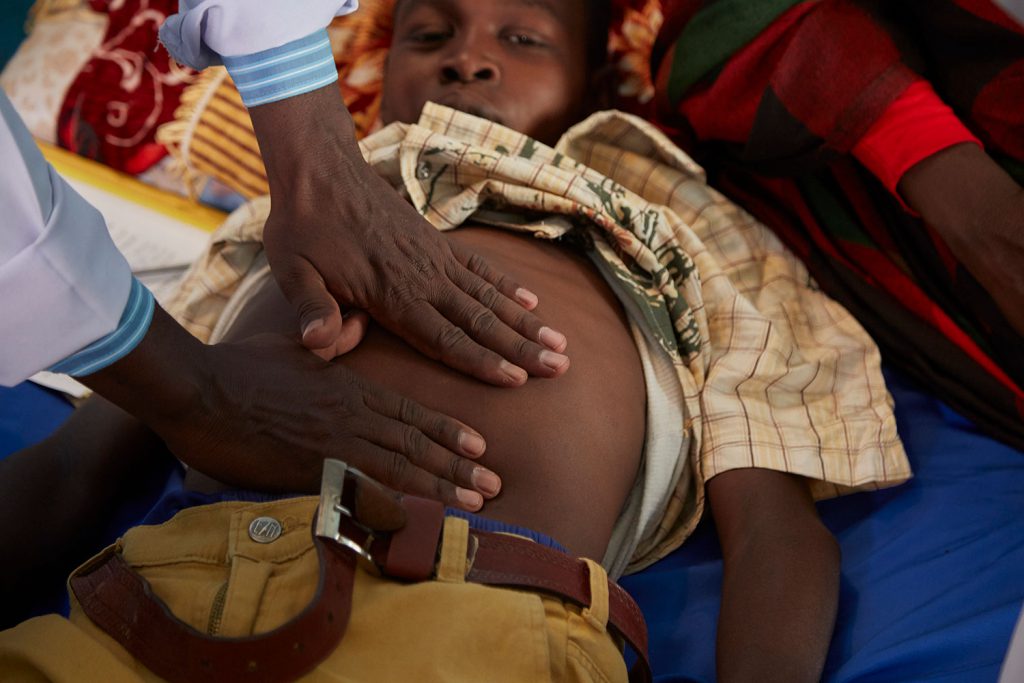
(71, 165)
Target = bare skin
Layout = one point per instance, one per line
(567, 451)
(978, 209)
(388, 261)
(780, 585)
(567, 475)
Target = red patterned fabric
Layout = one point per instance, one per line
(773, 95)
(128, 88)
(915, 126)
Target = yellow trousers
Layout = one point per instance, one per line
(213, 576)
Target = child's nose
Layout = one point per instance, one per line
(466, 66)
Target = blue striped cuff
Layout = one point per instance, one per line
(292, 69)
(138, 313)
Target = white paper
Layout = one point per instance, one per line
(62, 383)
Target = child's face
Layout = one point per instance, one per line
(520, 63)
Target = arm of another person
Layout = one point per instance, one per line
(978, 209)
(337, 234)
(781, 578)
(923, 153)
(825, 90)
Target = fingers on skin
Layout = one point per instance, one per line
(386, 462)
(511, 305)
(485, 315)
(442, 429)
(504, 284)
(424, 454)
(507, 309)
(433, 335)
(320, 321)
(431, 441)
(456, 325)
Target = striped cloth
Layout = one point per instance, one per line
(773, 374)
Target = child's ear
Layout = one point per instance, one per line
(601, 90)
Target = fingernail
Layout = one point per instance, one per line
(526, 297)
(513, 373)
(553, 340)
(312, 326)
(470, 499)
(553, 360)
(486, 481)
(472, 443)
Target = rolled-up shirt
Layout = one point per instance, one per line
(68, 300)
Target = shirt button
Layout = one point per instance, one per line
(264, 529)
(423, 170)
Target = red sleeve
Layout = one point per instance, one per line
(915, 126)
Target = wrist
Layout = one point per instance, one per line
(914, 127)
(306, 141)
(161, 380)
(956, 190)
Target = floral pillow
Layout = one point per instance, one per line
(126, 90)
(90, 77)
(60, 42)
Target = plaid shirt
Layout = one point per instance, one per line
(773, 373)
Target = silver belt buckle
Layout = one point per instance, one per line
(328, 518)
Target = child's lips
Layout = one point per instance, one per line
(469, 103)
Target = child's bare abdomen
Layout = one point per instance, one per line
(567, 449)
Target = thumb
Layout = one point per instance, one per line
(353, 329)
(319, 315)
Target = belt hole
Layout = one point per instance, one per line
(298, 647)
(205, 663)
(330, 617)
(252, 666)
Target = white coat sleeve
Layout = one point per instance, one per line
(67, 296)
(205, 31)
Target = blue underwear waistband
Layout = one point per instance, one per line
(174, 502)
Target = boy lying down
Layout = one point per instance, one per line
(704, 365)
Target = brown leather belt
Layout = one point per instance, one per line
(122, 604)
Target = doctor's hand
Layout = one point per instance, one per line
(264, 413)
(339, 234)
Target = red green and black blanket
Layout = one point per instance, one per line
(772, 95)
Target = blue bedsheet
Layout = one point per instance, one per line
(932, 571)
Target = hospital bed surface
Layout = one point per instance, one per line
(932, 571)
